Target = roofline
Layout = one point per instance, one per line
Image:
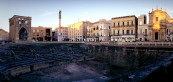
(124, 17)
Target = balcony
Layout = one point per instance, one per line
(123, 26)
(120, 34)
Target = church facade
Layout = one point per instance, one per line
(160, 26)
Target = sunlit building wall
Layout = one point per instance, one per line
(160, 26)
(95, 32)
(78, 31)
(124, 29)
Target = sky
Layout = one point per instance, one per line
(45, 12)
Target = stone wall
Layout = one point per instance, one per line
(127, 57)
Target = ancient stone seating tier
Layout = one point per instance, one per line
(13, 56)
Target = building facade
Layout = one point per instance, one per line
(142, 28)
(64, 33)
(99, 31)
(20, 28)
(95, 32)
(89, 33)
(160, 26)
(124, 29)
(41, 33)
(78, 31)
(4, 35)
(104, 30)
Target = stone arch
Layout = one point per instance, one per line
(23, 35)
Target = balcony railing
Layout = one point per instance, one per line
(124, 26)
(120, 34)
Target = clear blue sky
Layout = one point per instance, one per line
(45, 12)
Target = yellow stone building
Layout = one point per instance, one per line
(160, 26)
(124, 29)
(41, 33)
(78, 31)
(94, 32)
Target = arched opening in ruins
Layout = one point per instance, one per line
(23, 34)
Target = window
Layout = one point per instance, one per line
(41, 34)
(114, 24)
(123, 32)
(37, 34)
(145, 31)
(118, 32)
(156, 18)
(33, 34)
(19, 22)
(97, 34)
(127, 32)
(97, 27)
(101, 28)
(114, 32)
(128, 23)
(33, 30)
(144, 19)
(132, 23)
(18, 18)
(123, 23)
(23, 21)
(94, 28)
(131, 32)
(140, 22)
(140, 31)
(109, 27)
(37, 30)
(118, 24)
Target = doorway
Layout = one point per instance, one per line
(156, 35)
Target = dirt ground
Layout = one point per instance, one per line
(85, 71)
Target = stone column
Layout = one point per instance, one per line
(59, 35)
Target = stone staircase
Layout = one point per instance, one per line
(17, 59)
